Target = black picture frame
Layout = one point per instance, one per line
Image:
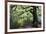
(6, 1)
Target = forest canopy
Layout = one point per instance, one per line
(24, 16)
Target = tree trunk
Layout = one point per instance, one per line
(35, 18)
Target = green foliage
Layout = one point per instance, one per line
(20, 14)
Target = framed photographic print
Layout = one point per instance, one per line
(23, 16)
